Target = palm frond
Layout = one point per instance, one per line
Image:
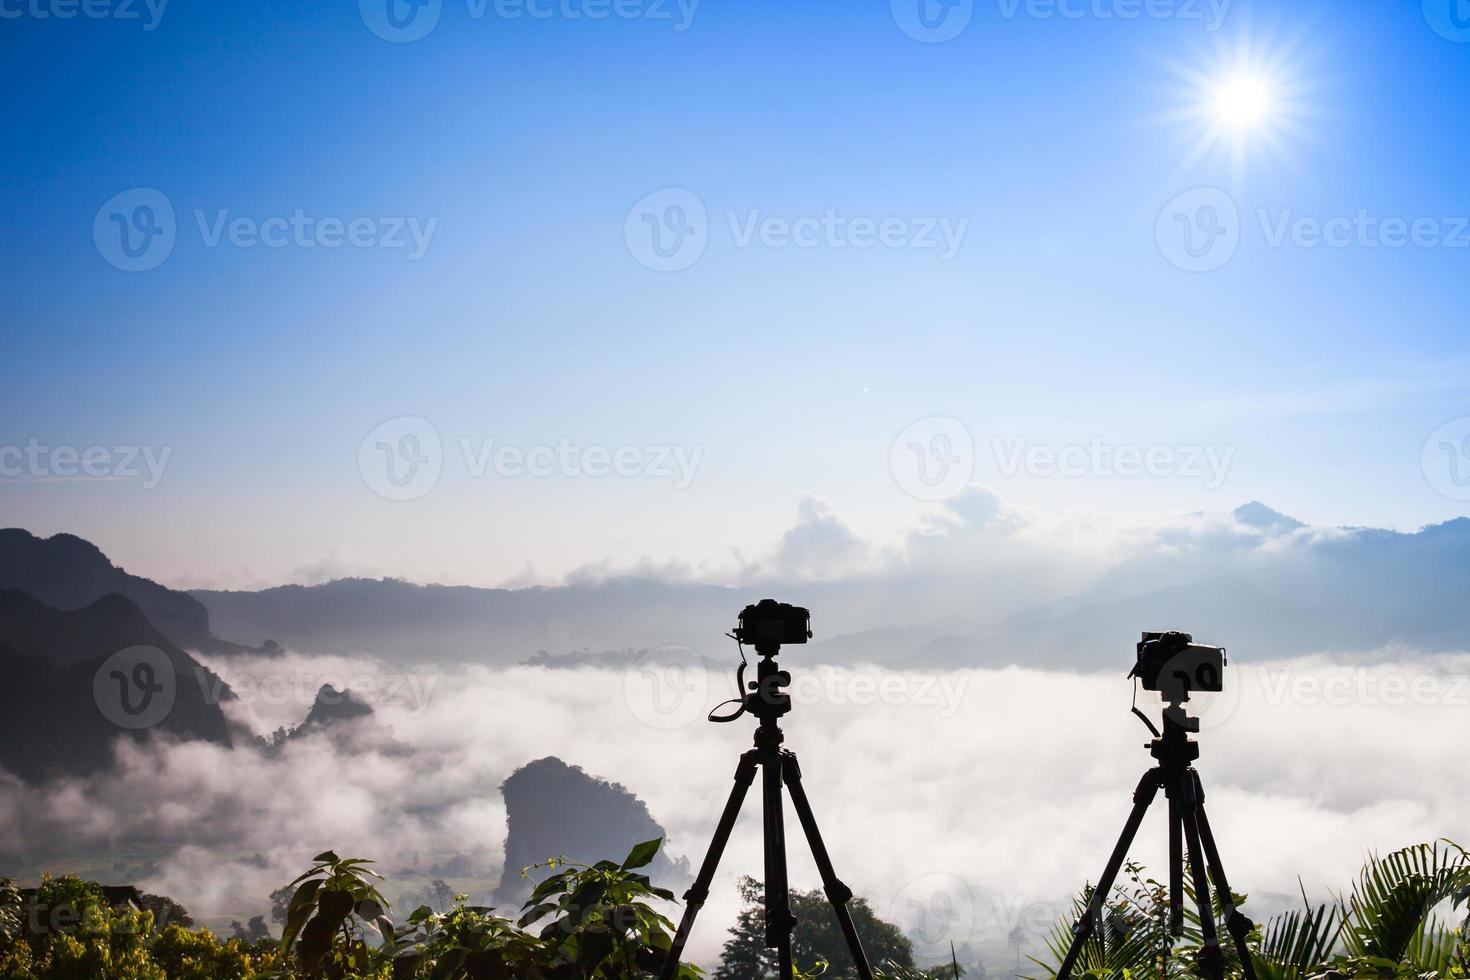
(1390, 911)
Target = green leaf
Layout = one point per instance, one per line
(642, 854)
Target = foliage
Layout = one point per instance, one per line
(326, 915)
(600, 922)
(585, 922)
(1386, 927)
(166, 912)
(818, 944)
(68, 931)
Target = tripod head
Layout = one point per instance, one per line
(767, 697)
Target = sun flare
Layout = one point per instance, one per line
(1249, 101)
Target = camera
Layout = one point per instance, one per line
(771, 623)
(1175, 666)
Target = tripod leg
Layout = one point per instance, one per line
(1148, 788)
(779, 920)
(695, 897)
(837, 893)
(1176, 869)
(1211, 961)
(1236, 921)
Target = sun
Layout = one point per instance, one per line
(1244, 100)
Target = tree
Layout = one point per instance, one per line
(443, 895)
(166, 912)
(253, 933)
(280, 899)
(817, 938)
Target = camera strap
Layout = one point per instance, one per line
(739, 702)
(1141, 716)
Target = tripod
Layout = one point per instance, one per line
(1175, 751)
(778, 768)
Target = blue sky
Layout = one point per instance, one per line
(1058, 321)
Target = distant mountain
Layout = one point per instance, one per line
(332, 706)
(426, 623)
(59, 711)
(1258, 515)
(1256, 580)
(68, 572)
(408, 623)
(554, 810)
(1296, 591)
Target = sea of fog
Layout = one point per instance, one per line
(966, 806)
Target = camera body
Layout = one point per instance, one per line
(770, 623)
(1175, 666)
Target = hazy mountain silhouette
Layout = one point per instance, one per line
(332, 706)
(1340, 590)
(556, 810)
(425, 623)
(1263, 583)
(51, 723)
(68, 572)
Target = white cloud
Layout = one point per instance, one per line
(995, 796)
